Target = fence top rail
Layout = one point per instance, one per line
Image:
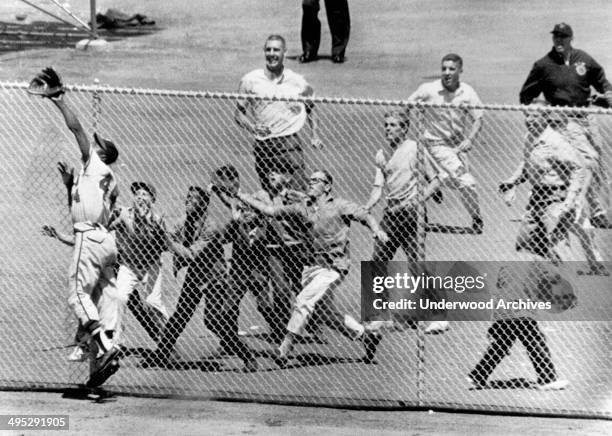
(333, 100)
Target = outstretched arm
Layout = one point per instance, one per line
(73, 123)
(52, 232)
(377, 189)
(262, 207)
(313, 122)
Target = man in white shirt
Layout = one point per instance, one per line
(448, 133)
(275, 124)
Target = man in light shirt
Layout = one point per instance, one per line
(275, 124)
(448, 133)
(328, 260)
(398, 176)
(556, 207)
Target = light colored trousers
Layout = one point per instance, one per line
(317, 285)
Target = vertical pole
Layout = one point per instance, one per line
(94, 25)
(421, 232)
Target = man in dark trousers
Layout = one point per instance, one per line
(565, 77)
(339, 22)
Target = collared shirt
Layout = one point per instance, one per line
(564, 85)
(140, 240)
(94, 192)
(553, 162)
(283, 118)
(399, 175)
(329, 229)
(447, 125)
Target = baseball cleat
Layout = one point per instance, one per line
(106, 366)
(370, 343)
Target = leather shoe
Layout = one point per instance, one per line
(338, 59)
(307, 57)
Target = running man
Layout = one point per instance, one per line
(449, 133)
(275, 124)
(328, 261)
(399, 177)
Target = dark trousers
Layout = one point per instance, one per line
(283, 155)
(191, 294)
(401, 226)
(151, 320)
(339, 22)
(503, 334)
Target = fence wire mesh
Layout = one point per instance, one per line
(211, 326)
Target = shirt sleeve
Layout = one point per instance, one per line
(352, 210)
(379, 178)
(418, 95)
(532, 86)
(598, 78)
(475, 100)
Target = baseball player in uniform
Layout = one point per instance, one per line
(398, 176)
(448, 133)
(565, 77)
(141, 239)
(558, 176)
(93, 197)
(275, 124)
(328, 261)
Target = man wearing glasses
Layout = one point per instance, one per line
(328, 260)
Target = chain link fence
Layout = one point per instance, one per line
(225, 314)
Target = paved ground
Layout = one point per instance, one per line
(127, 416)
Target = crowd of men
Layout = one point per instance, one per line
(290, 241)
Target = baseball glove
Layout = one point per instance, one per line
(601, 100)
(47, 83)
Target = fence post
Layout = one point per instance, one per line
(421, 233)
(94, 24)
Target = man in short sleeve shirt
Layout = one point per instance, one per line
(448, 133)
(275, 125)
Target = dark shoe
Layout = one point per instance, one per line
(437, 196)
(370, 343)
(158, 359)
(250, 365)
(280, 361)
(477, 225)
(476, 382)
(601, 221)
(307, 57)
(106, 366)
(338, 59)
